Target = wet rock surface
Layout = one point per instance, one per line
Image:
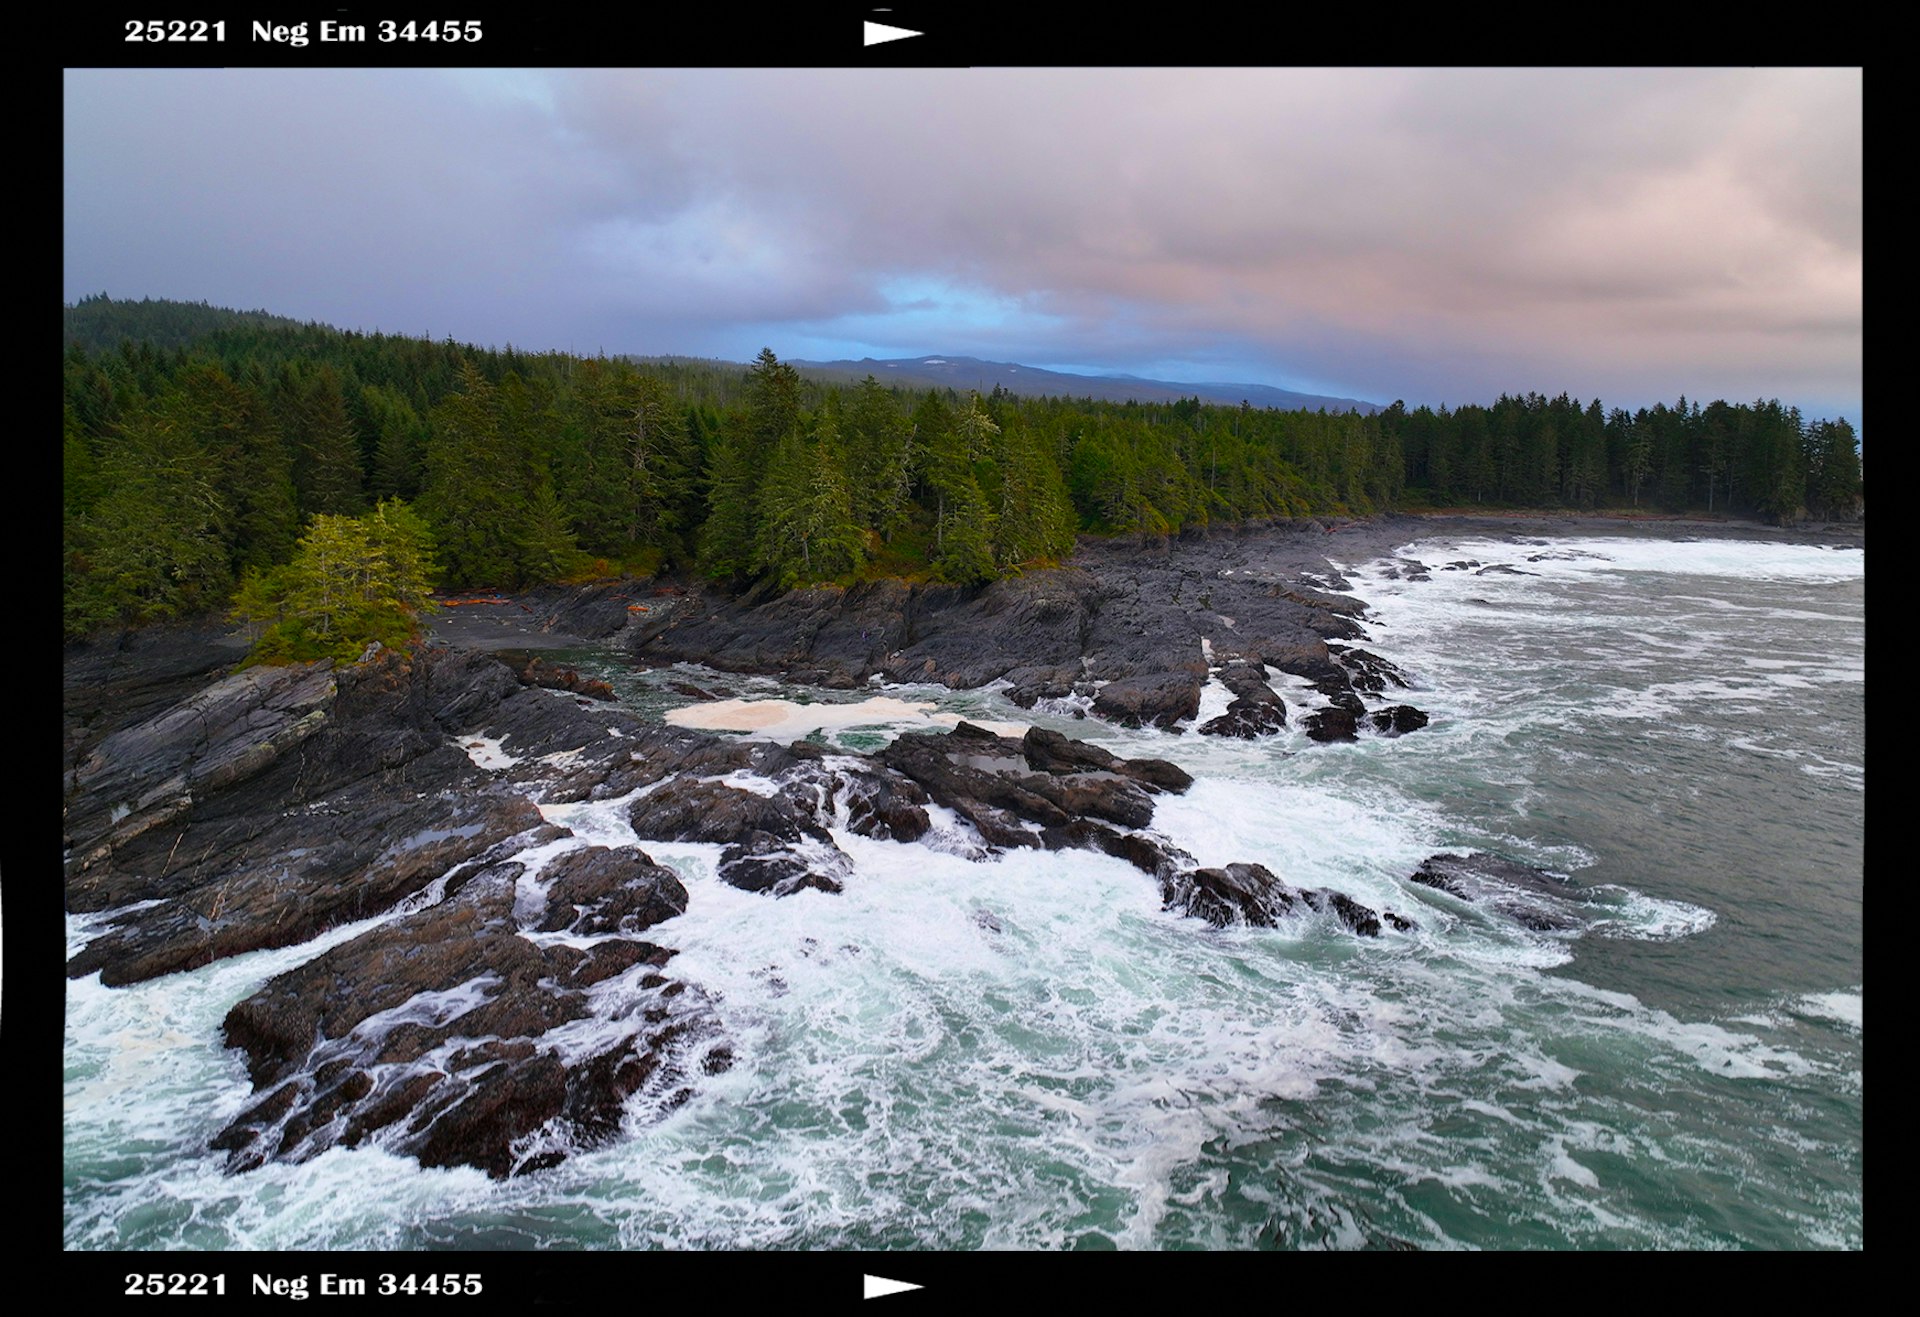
(508, 1005)
(338, 795)
(445, 1035)
(1256, 709)
(1254, 894)
(1124, 623)
(1531, 897)
(1017, 799)
(1397, 720)
(532, 670)
(773, 843)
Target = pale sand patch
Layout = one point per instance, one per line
(784, 720)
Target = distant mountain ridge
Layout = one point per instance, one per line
(962, 373)
(99, 322)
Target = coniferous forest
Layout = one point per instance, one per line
(316, 482)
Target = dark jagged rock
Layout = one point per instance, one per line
(1407, 569)
(1162, 699)
(1030, 792)
(873, 801)
(1368, 671)
(532, 670)
(590, 612)
(1239, 893)
(1530, 897)
(1048, 751)
(1027, 686)
(972, 773)
(1334, 724)
(595, 890)
(763, 863)
(1398, 719)
(1254, 894)
(369, 804)
(1133, 617)
(121, 678)
(691, 810)
(462, 687)
(570, 753)
(441, 1035)
(1256, 709)
(1248, 719)
(146, 775)
(773, 845)
(308, 873)
(1360, 918)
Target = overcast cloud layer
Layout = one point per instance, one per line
(1437, 236)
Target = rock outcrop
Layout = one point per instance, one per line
(453, 1036)
(1532, 898)
(505, 1001)
(1255, 711)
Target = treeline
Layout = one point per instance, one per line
(97, 323)
(194, 471)
(1758, 459)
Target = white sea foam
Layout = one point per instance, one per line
(1574, 557)
(1214, 699)
(486, 752)
(1653, 920)
(1028, 1052)
(1846, 1007)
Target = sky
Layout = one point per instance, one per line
(1439, 236)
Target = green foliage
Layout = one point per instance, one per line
(324, 444)
(807, 528)
(1833, 468)
(352, 581)
(880, 459)
(197, 442)
(727, 541)
(154, 545)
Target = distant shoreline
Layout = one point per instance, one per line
(516, 623)
(1388, 531)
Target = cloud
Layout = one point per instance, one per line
(1376, 233)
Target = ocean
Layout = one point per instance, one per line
(1027, 1053)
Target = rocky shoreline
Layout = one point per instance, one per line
(212, 812)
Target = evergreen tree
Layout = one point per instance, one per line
(476, 495)
(1833, 469)
(399, 442)
(806, 526)
(661, 464)
(154, 545)
(879, 460)
(352, 581)
(326, 451)
(727, 541)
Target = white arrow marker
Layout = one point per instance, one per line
(878, 1287)
(877, 33)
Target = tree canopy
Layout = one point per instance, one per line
(204, 448)
(351, 581)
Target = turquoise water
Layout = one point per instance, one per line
(1027, 1053)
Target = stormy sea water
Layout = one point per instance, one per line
(1028, 1053)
